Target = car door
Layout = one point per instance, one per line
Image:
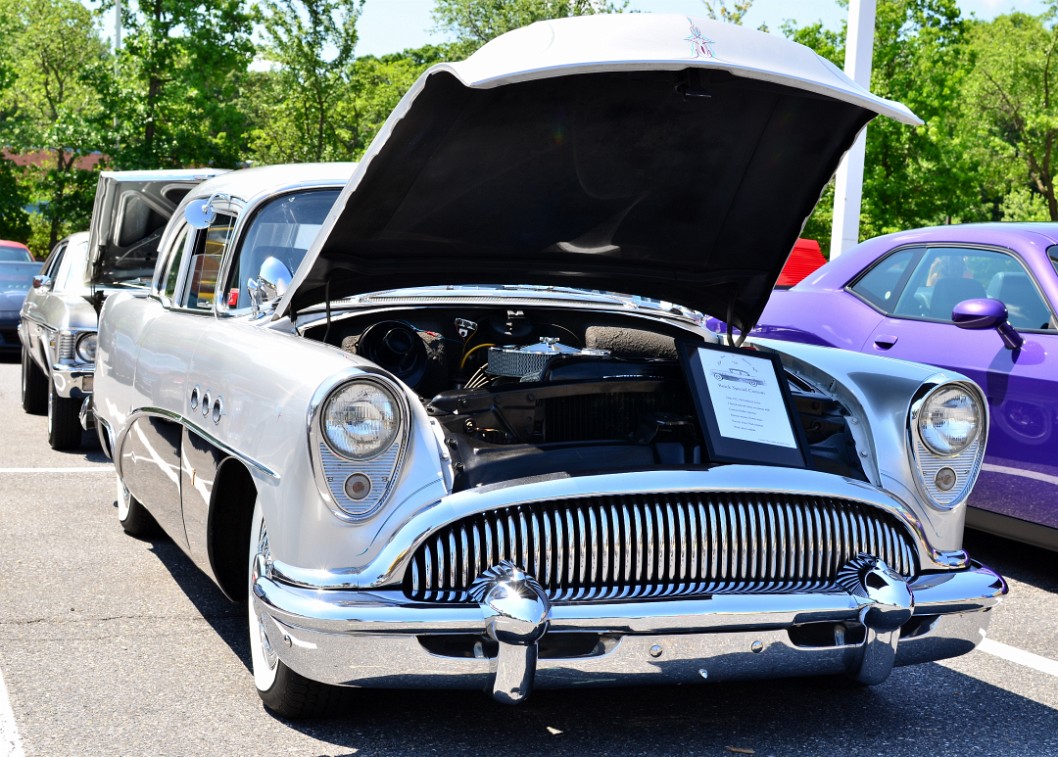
(1020, 478)
(32, 320)
(177, 317)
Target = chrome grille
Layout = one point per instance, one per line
(666, 545)
(64, 345)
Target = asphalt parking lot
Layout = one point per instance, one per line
(114, 646)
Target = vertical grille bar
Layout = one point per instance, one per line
(668, 545)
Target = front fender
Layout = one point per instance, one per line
(879, 391)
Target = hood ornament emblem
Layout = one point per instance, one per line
(700, 44)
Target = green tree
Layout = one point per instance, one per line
(378, 84)
(310, 44)
(718, 10)
(1011, 97)
(912, 176)
(49, 106)
(14, 222)
(176, 98)
(475, 22)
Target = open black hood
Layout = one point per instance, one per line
(687, 183)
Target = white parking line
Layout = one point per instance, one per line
(94, 469)
(10, 742)
(1020, 657)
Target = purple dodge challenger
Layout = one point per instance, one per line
(976, 298)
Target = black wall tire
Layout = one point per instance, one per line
(283, 691)
(64, 423)
(132, 515)
(34, 386)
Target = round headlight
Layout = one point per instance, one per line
(361, 420)
(950, 420)
(86, 348)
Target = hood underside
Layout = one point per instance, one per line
(688, 184)
(130, 213)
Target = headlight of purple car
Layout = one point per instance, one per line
(948, 429)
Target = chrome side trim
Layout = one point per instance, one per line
(213, 440)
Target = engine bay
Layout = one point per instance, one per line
(552, 391)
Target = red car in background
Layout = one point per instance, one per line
(805, 257)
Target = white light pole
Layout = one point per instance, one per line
(848, 186)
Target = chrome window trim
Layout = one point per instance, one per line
(247, 213)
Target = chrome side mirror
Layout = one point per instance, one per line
(269, 285)
(40, 281)
(987, 313)
(200, 213)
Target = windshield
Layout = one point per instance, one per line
(283, 229)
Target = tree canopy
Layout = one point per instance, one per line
(237, 82)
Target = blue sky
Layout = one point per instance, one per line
(389, 26)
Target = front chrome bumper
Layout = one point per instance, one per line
(76, 382)
(378, 639)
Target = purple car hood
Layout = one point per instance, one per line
(644, 154)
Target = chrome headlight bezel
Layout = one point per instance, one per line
(357, 485)
(85, 347)
(945, 471)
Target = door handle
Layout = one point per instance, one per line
(884, 342)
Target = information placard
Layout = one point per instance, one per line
(744, 405)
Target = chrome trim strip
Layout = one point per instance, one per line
(213, 440)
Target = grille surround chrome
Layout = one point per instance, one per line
(620, 547)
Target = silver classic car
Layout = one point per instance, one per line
(477, 439)
(57, 326)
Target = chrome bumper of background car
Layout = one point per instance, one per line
(72, 382)
(377, 639)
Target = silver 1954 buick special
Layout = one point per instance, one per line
(473, 434)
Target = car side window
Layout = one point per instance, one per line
(204, 265)
(51, 265)
(170, 272)
(70, 273)
(880, 286)
(945, 276)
